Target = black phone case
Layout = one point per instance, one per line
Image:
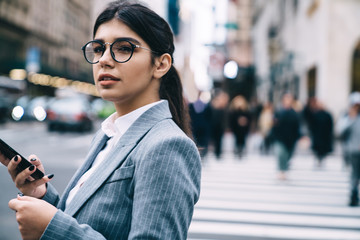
(8, 152)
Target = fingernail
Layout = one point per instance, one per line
(33, 159)
(20, 194)
(50, 176)
(16, 158)
(32, 167)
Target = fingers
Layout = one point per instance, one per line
(34, 160)
(36, 189)
(4, 160)
(33, 216)
(24, 176)
(22, 180)
(13, 204)
(12, 167)
(41, 181)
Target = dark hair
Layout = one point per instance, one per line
(155, 31)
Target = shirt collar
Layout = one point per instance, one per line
(114, 125)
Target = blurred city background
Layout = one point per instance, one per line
(237, 58)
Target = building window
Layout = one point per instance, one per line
(311, 82)
(355, 75)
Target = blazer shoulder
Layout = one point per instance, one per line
(167, 129)
(166, 136)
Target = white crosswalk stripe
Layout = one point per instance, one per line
(243, 199)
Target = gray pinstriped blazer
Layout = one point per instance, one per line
(145, 189)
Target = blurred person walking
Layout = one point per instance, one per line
(342, 123)
(286, 132)
(349, 130)
(255, 108)
(200, 115)
(321, 132)
(141, 178)
(219, 109)
(265, 125)
(240, 122)
(308, 115)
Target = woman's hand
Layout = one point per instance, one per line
(33, 216)
(4, 160)
(23, 181)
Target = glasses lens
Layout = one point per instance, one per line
(93, 51)
(122, 51)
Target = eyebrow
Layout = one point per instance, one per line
(133, 40)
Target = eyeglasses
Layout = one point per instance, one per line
(121, 50)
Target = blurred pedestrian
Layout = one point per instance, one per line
(255, 108)
(349, 130)
(219, 108)
(322, 132)
(141, 177)
(308, 115)
(265, 125)
(286, 132)
(342, 123)
(200, 114)
(240, 122)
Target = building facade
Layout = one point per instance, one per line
(238, 48)
(45, 37)
(309, 48)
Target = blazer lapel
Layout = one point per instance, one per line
(117, 155)
(98, 177)
(98, 144)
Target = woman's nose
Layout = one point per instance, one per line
(106, 58)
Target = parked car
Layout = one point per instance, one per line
(27, 109)
(70, 114)
(102, 108)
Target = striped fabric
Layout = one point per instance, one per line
(145, 189)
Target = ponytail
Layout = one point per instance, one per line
(171, 90)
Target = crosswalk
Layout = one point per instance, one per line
(243, 199)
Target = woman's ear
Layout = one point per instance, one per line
(162, 65)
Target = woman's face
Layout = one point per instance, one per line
(129, 85)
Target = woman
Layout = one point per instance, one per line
(322, 133)
(219, 116)
(240, 120)
(141, 177)
(286, 132)
(265, 125)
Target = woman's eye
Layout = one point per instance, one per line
(122, 49)
(97, 49)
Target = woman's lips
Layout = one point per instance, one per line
(107, 79)
(107, 82)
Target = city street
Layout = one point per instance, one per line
(240, 198)
(279, 70)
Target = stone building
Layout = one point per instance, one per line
(45, 37)
(308, 47)
(239, 48)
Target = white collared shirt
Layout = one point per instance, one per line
(114, 127)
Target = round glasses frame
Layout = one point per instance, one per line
(133, 46)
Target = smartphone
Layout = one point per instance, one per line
(8, 152)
